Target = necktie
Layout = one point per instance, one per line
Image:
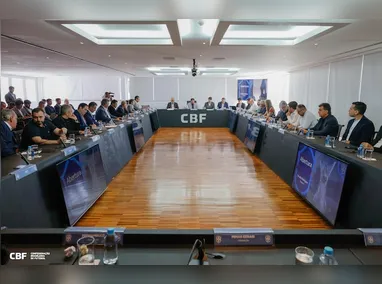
(192, 106)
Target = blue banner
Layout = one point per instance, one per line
(253, 130)
(264, 89)
(245, 89)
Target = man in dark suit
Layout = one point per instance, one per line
(240, 104)
(328, 124)
(223, 104)
(57, 107)
(113, 109)
(89, 117)
(8, 140)
(172, 104)
(49, 109)
(360, 129)
(102, 113)
(80, 114)
(210, 104)
(122, 109)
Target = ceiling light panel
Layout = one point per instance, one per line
(261, 34)
(124, 34)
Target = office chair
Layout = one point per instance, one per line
(340, 126)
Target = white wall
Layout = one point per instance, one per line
(340, 83)
(157, 92)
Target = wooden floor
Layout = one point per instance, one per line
(199, 179)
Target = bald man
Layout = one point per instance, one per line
(172, 104)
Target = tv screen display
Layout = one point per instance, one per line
(83, 180)
(251, 135)
(319, 178)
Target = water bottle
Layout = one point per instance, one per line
(361, 152)
(30, 153)
(327, 141)
(327, 258)
(110, 256)
(86, 132)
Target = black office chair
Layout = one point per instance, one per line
(340, 126)
(375, 135)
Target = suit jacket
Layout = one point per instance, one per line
(281, 115)
(131, 108)
(26, 111)
(376, 140)
(363, 132)
(90, 119)
(102, 115)
(206, 106)
(57, 108)
(8, 141)
(327, 126)
(113, 112)
(81, 120)
(240, 106)
(220, 105)
(18, 112)
(10, 98)
(176, 106)
(50, 110)
(122, 111)
(189, 105)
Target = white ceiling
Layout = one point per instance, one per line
(27, 20)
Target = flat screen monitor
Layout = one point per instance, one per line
(83, 180)
(319, 179)
(253, 130)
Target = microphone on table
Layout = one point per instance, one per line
(201, 257)
(62, 143)
(23, 158)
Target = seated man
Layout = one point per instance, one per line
(57, 107)
(376, 144)
(328, 124)
(26, 110)
(248, 104)
(292, 115)
(130, 107)
(281, 115)
(3, 105)
(66, 120)
(223, 104)
(240, 104)
(41, 131)
(122, 109)
(89, 117)
(49, 109)
(80, 115)
(136, 104)
(18, 108)
(192, 105)
(262, 108)
(8, 141)
(252, 106)
(307, 119)
(360, 129)
(102, 113)
(113, 109)
(209, 104)
(172, 104)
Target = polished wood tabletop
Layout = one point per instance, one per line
(199, 179)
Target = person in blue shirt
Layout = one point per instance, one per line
(8, 141)
(89, 117)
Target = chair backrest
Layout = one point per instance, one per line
(340, 126)
(18, 134)
(375, 135)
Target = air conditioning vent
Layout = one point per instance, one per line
(219, 58)
(168, 58)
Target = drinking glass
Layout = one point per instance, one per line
(294, 129)
(86, 131)
(72, 138)
(332, 142)
(369, 154)
(85, 248)
(310, 135)
(304, 256)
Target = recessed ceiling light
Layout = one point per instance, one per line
(204, 43)
(109, 55)
(47, 57)
(125, 62)
(17, 62)
(316, 44)
(201, 55)
(81, 42)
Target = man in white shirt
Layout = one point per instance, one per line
(136, 104)
(307, 119)
(192, 105)
(293, 116)
(253, 108)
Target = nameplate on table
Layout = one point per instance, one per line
(96, 138)
(372, 237)
(243, 237)
(70, 150)
(24, 172)
(73, 234)
(121, 126)
(111, 130)
(282, 131)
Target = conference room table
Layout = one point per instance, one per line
(36, 201)
(193, 118)
(360, 205)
